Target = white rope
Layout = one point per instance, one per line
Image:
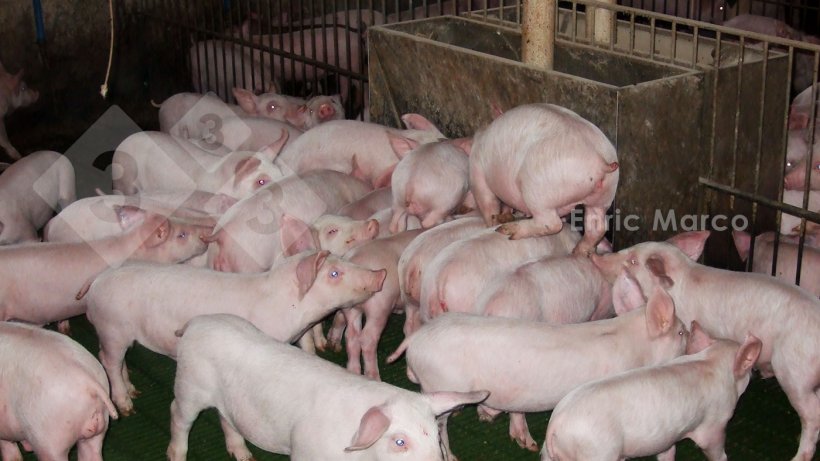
(104, 87)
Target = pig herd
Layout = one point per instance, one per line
(237, 229)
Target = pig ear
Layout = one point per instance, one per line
(386, 178)
(296, 236)
(626, 294)
(444, 402)
(691, 243)
(307, 269)
(401, 145)
(159, 234)
(657, 267)
(660, 313)
(129, 216)
(798, 121)
(245, 167)
(273, 149)
(497, 111)
(747, 355)
(465, 144)
(373, 425)
(698, 339)
(604, 246)
(417, 122)
(246, 100)
(743, 243)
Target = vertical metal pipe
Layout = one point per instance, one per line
(538, 33)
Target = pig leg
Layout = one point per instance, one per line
(668, 455)
(434, 218)
(520, 432)
(132, 391)
(487, 414)
(10, 451)
(234, 441)
(594, 230)
(90, 449)
(445, 439)
(112, 357)
(546, 223)
(183, 414)
(334, 336)
(398, 222)
(6, 144)
(319, 339)
(352, 335)
(412, 320)
(306, 343)
(806, 400)
(488, 204)
(711, 440)
(377, 311)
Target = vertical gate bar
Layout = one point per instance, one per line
(314, 32)
(736, 134)
(801, 244)
(280, 39)
(632, 33)
(783, 147)
(348, 61)
(253, 52)
(713, 123)
(360, 37)
(538, 33)
(759, 152)
(224, 88)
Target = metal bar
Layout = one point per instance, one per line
(785, 207)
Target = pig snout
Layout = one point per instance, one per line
(376, 280)
(326, 111)
(372, 230)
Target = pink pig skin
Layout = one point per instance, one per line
(58, 397)
(556, 290)
(70, 266)
(800, 109)
(31, 190)
(787, 252)
(462, 352)
(543, 160)
(93, 218)
(369, 204)
(253, 134)
(453, 279)
(14, 93)
(134, 303)
(645, 411)
(352, 147)
(248, 238)
(429, 182)
(417, 256)
(362, 342)
(151, 162)
(280, 412)
(730, 304)
(796, 177)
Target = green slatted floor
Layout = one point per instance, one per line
(764, 427)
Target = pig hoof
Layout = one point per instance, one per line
(504, 218)
(127, 411)
(507, 229)
(133, 393)
(527, 444)
(64, 327)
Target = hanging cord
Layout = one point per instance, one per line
(104, 87)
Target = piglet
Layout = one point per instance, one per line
(543, 160)
(787, 251)
(645, 411)
(556, 290)
(731, 304)
(31, 190)
(14, 93)
(800, 109)
(55, 395)
(357, 148)
(320, 109)
(362, 342)
(461, 352)
(354, 419)
(67, 267)
(158, 162)
(142, 303)
(429, 182)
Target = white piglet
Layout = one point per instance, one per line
(314, 411)
(645, 411)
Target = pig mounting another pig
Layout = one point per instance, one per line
(314, 411)
(543, 160)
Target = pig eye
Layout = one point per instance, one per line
(633, 261)
(262, 182)
(272, 107)
(332, 231)
(400, 442)
(680, 333)
(789, 164)
(334, 274)
(182, 235)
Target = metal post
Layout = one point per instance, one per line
(538, 33)
(602, 19)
